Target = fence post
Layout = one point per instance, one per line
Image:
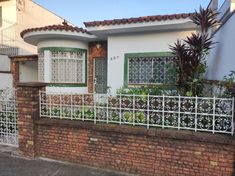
(94, 101)
(232, 90)
(28, 112)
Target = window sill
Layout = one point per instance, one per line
(66, 84)
(148, 84)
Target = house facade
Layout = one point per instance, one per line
(109, 54)
(15, 16)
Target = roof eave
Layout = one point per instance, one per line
(34, 37)
(168, 25)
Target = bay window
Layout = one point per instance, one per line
(65, 66)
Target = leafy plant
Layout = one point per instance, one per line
(191, 54)
(139, 117)
(226, 84)
(150, 89)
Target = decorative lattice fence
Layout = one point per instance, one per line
(8, 118)
(214, 115)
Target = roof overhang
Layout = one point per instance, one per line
(35, 37)
(103, 31)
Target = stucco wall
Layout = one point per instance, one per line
(222, 57)
(136, 43)
(6, 80)
(28, 71)
(63, 43)
(5, 63)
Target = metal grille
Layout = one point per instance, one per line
(9, 50)
(41, 66)
(215, 115)
(100, 75)
(67, 67)
(8, 118)
(144, 70)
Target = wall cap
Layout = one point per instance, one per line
(31, 84)
(135, 130)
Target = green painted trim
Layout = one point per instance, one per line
(126, 70)
(150, 54)
(67, 49)
(66, 85)
(147, 54)
(56, 49)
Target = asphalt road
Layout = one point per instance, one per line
(15, 166)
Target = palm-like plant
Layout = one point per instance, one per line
(205, 19)
(191, 53)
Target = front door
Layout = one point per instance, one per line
(100, 75)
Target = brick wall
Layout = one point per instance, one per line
(95, 53)
(136, 150)
(28, 112)
(124, 148)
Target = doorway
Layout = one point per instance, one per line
(100, 75)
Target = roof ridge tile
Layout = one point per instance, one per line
(138, 19)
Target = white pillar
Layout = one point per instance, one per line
(47, 66)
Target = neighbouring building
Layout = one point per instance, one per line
(15, 16)
(222, 57)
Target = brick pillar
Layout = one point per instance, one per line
(15, 72)
(28, 112)
(95, 53)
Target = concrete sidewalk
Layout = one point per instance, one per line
(13, 165)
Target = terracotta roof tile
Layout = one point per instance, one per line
(138, 20)
(59, 27)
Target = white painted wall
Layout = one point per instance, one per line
(118, 46)
(71, 90)
(63, 43)
(28, 71)
(6, 80)
(222, 57)
(5, 63)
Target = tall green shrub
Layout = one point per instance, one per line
(191, 53)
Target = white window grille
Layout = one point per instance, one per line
(144, 70)
(67, 67)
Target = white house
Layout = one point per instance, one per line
(110, 53)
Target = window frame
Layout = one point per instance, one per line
(65, 49)
(147, 54)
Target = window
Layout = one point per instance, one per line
(63, 66)
(67, 67)
(149, 69)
